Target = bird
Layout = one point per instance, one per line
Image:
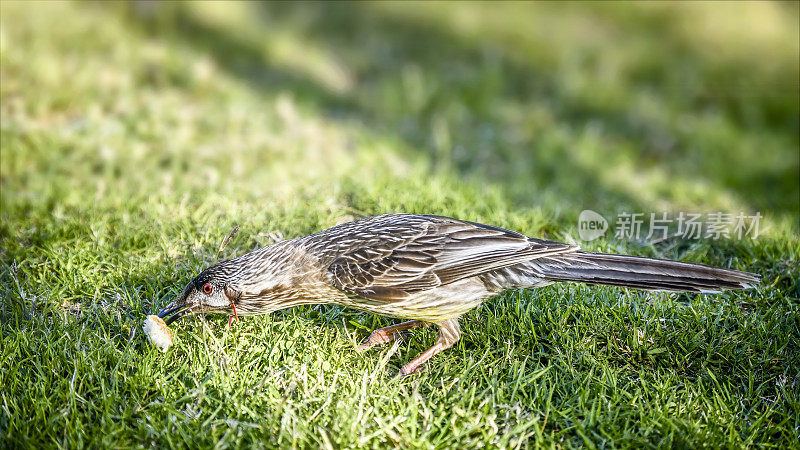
(425, 269)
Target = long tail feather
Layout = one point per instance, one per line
(642, 273)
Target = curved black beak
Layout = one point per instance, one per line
(173, 313)
(178, 308)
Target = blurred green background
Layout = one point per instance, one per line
(553, 107)
(135, 135)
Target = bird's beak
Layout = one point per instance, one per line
(178, 308)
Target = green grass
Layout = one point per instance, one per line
(133, 141)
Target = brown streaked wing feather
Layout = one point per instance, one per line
(446, 250)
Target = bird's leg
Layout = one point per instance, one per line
(388, 334)
(449, 333)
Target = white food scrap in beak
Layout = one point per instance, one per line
(158, 332)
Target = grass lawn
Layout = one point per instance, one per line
(134, 137)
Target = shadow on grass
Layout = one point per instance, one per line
(463, 84)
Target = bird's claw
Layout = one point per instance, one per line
(378, 337)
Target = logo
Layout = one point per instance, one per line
(634, 226)
(591, 225)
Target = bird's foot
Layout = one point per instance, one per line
(388, 334)
(417, 364)
(377, 337)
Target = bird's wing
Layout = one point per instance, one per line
(388, 258)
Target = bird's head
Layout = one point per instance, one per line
(254, 283)
(209, 292)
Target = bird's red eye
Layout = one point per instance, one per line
(207, 288)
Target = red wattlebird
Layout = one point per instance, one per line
(427, 269)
